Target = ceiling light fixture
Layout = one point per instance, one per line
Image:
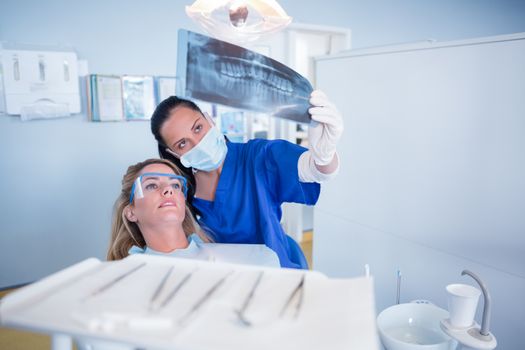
(238, 20)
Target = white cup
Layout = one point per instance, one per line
(462, 304)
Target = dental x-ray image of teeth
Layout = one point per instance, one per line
(219, 72)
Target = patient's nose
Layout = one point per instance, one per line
(167, 191)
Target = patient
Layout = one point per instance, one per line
(151, 216)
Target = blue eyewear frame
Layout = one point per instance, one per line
(172, 176)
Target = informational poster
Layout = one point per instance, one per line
(106, 91)
(165, 88)
(233, 125)
(139, 97)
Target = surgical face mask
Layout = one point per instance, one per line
(208, 154)
(148, 183)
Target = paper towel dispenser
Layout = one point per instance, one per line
(40, 82)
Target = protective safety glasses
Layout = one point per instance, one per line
(151, 182)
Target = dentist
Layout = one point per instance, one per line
(237, 189)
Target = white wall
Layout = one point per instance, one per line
(432, 178)
(47, 224)
(59, 181)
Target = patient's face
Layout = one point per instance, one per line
(163, 203)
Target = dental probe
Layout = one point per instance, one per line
(115, 281)
(160, 287)
(299, 288)
(240, 313)
(205, 297)
(176, 289)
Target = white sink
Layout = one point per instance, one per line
(413, 327)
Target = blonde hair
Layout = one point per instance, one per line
(124, 233)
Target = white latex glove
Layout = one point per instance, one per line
(325, 128)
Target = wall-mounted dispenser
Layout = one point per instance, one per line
(40, 84)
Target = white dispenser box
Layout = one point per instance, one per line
(36, 81)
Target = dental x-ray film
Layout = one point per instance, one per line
(219, 72)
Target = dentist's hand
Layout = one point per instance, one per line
(325, 128)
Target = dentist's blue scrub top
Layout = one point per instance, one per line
(256, 178)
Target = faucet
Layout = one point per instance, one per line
(485, 323)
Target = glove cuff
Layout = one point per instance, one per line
(325, 160)
(308, 171)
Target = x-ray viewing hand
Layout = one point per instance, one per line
(325, 128)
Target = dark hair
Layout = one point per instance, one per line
(161, 114)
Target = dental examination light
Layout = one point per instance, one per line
(238, 20)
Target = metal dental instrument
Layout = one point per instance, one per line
(240, 313)
(115, 280)
(159, 288)
(299, 304)
(299, 288)
(176, 289)
(51, 292)
(204, 298)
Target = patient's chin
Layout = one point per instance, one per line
(173, 216)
